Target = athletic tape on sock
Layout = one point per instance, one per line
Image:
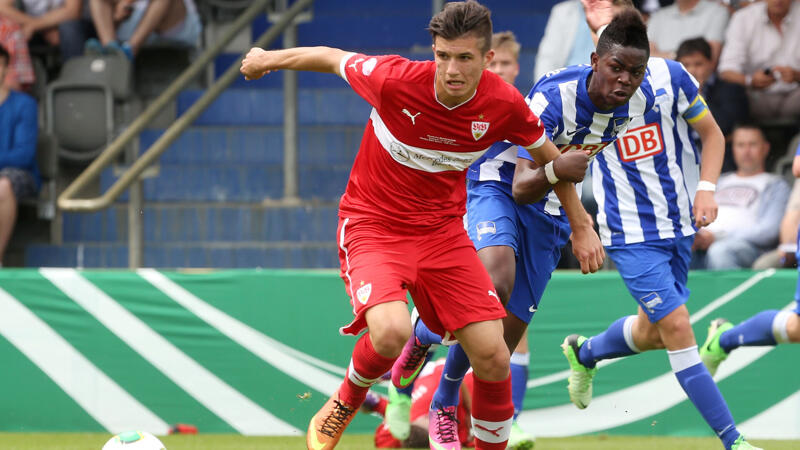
(684, 358)
(779, 330)
(359, 380)
(627, 332)
(521, 359)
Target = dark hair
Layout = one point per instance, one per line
(692, 46)
(749, 126)
(417, 438)
(457, 19)
(627, 29)
(5, 56)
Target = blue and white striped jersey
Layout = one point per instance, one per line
(645, 183)
(570, 120)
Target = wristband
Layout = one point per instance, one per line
(600, 30)
(704, 185)
(788, 248)
(550, 173)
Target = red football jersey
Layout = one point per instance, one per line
(410, 167)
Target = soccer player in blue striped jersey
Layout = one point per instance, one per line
(652, 195)
(770, 327)
(520, 245)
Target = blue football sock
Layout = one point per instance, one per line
(704, 393)
(519, 379)
(756, 330)
(616, 341)
(426, 336)
(455, 367)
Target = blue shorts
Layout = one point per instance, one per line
(655, 273)
(493, 218)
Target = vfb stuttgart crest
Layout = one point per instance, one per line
(479, 129)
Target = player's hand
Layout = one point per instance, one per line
(587, 249)
(761, 80)
(598, 13)
(702, 240)
(256, 64)
(704, 208)
(571, 166)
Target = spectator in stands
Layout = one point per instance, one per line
(125, 25)
(727, 101)
(59, 23)
(19, 176)
(686, 19)
(785, 254)
(762, 53)
(751, 203)
(567, 38)
(19, 73)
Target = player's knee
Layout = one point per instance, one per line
(491, 365)
(390, 336)
(6, 190)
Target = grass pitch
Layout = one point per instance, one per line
(92, 441)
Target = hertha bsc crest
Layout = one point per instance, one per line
(479, 129)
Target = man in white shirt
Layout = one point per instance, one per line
(762, 53)
(751, 203)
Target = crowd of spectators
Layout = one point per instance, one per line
(746, 58)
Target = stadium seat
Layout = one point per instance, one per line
(84, 105)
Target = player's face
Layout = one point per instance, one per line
(779, 7)
(750, 150)
(459, 65)
(505, 65)
(698, 65)
(616, 76)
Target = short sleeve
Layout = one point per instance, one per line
(367, 74)
(526, 128)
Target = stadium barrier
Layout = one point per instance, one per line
(257, 352)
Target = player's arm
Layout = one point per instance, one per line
(530, 181)
(260, 62)
(704, 207)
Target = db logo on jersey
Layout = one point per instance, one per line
(640, 143)
(479, 129)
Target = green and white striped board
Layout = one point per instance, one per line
(257, 352)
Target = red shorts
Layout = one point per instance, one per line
(441, 270)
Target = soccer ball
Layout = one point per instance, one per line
(134, 440)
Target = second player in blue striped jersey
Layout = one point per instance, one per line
(645, 183)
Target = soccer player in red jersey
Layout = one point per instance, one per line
(401, 227)
(424, 387)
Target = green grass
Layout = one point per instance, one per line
(92, 441)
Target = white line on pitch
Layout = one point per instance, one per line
(230, 405)
(102, 398)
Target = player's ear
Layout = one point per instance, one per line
(488, 57)
(594, 58)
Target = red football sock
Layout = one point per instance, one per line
(366, 368)
(492, 413)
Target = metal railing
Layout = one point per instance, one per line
(132, 176)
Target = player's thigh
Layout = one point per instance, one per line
(647, 270)
(376, 267)
(541, 240)
(452, 287)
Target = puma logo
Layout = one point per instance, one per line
(494, 432)
(413, 117)
(354, 64)
(492, 294)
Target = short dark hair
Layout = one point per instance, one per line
(692, 46)
(749, 126)
(5, 56)
(627, 29)
(457, 19)
(417, 438)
